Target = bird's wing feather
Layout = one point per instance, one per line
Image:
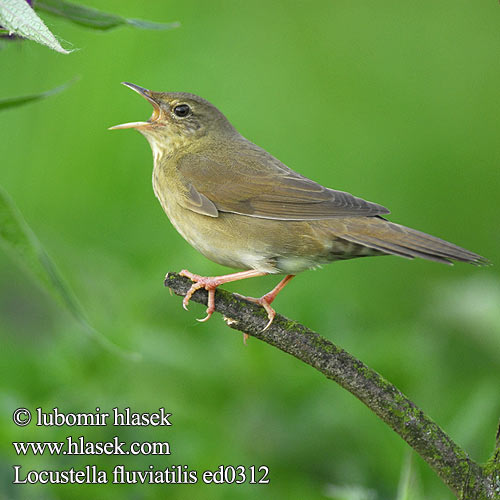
(199, 203)
(263, 187)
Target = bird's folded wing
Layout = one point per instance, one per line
(264, 189)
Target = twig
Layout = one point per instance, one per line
(467, 479)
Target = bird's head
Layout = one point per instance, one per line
(178, 118)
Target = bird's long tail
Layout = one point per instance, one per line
(390, 238)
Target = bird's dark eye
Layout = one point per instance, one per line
(182, 110)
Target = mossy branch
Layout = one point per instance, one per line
(467, 479)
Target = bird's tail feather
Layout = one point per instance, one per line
(391, 238)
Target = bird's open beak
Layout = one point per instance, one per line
(147, 94)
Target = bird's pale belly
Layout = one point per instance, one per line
(271, 246)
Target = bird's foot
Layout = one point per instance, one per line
(208, 283)
(265, 302)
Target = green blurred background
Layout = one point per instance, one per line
(396, 102)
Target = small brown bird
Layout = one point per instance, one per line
(243, 208)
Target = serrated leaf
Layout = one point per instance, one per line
(20, 19)
(19, 241)
(93, 18)
(12, 102)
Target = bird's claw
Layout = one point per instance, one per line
(271, 319)
(271, 313)
(262, 301)
(189, 294)
(206, 318)
(208, 283)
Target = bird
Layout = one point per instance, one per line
(243, 208)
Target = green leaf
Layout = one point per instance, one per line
(19, 241)
(12, 102)
(349, 492)
(19, 18)
(408, 487)
(93, 18)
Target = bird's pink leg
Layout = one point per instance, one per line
(266, 300)
(210, 283)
